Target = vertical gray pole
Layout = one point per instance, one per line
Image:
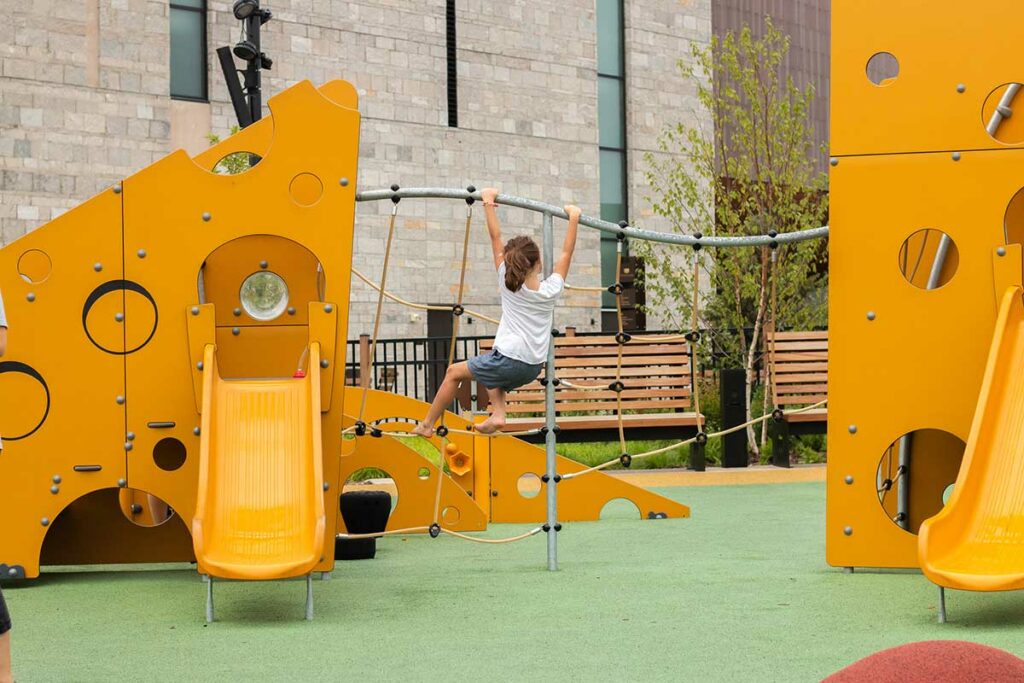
(549, 412)
(903, 487)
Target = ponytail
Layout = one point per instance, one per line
(521, 257)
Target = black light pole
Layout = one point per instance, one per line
(249, 109)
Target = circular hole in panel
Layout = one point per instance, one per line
(236, 162)
(143, 509)
(529, 485)
(264, 295)
(947, 493)
(914, 473)
(1013, 221)
(423, 473)
(169, 454)
(620, 508)
(1003, 114)
(883, 68)
(929, 259)
(450, 516)
(306, 189)
(34, 266)
(23, 416)
(372, 479)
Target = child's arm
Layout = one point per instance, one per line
(488, 195)
(562, 265)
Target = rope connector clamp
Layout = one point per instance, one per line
(395, 198)
(622, 338)
(615, 289)
(458, 310)
(376, 433)
(626, 460)
(435, 530)
(470, 199)
(360, 428)
(617, 386)
(701, 438)
(778, 415)
(697, 246)
(693, 337)
(441, 431)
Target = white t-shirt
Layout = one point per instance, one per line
(526, 318)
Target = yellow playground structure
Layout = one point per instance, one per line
(927, 221)
(172, 392)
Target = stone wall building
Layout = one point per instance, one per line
(85, 99)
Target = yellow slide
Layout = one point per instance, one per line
(977, 541)
(260, 511)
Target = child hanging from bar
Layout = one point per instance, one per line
(527, 311)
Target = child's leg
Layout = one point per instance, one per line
(456, 375)
(5, 658)
(497, 419)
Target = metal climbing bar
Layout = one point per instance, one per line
(596, 223)
(550, 436)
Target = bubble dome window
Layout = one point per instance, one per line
(264, 295)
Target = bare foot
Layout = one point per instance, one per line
(424, 430)
(491, 425)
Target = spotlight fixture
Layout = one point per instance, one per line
(246, 51)
(244, 8)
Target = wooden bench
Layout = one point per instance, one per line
(798, 363)
(656, 399)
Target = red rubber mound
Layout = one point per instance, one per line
(953, 661)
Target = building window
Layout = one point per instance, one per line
(188, 50)
(611, 123)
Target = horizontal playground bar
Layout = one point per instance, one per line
(596, 223)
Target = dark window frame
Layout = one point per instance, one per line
(203, 11)
(451, 56)
(624, 189)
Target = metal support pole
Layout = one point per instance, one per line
(549, 411)
(903, 487)
(209, 599)
(942, 605)
(253, 77)
(309, 597)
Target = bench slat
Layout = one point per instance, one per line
(603, 406)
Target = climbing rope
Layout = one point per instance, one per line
(457, 311)
(380, 307)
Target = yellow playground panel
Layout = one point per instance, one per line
(172, 390)
(926, 225)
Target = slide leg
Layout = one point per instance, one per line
(209, 599)
(942, 605)
(309, 597)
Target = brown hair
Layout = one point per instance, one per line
(521, 256)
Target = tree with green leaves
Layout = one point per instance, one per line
(750, 168)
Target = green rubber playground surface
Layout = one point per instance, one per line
(739, 592)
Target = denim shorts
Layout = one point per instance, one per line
(496, 371)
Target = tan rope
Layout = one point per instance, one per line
(421, 307)
(772, 328)
(586, 289)
(691, 440)
(451, 357)
(456, 534)
(380, 305)
(694, 328)
(618, 355)
(451, 430)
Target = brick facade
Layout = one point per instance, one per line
(84, 101)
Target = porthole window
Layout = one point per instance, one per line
(264, 295)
